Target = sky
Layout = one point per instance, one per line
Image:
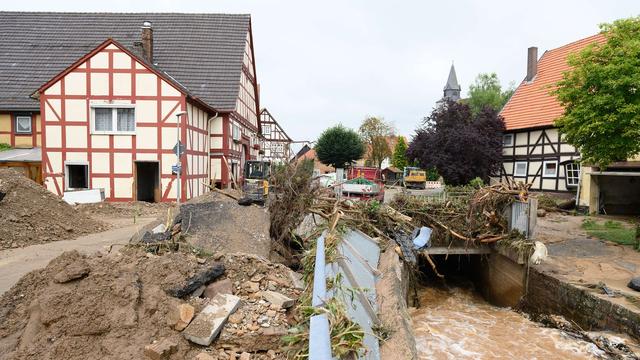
(322, 63)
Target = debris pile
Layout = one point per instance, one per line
(120, 306)
(33, 215)
(130, 209)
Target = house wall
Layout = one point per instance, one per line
(275, 143)
(8, 134)
(535, 147)
(223, 145)
(197, 150)
(111, 76)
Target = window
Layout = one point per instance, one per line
(550, 169)
(120, 119)
(266, 130)
(572, 173)
(507, 140)
(235, 132)
(23, 124)
(520, 168)
(77, 176)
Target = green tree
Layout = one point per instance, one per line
(399, 159)
(374, 132)
(601, 96)
(487, 91)
(339, 146)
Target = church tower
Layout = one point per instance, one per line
(452, 88)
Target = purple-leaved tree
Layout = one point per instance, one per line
(460, 145)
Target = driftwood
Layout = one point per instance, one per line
(203, 278)
(213, 188)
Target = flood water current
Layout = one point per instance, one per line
(457, 323)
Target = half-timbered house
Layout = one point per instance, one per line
(533, 149)
(109, 92)
(276, 144)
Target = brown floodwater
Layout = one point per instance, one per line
(457, 323)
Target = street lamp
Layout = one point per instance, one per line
(178, 152)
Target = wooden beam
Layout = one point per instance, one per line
(457, 251)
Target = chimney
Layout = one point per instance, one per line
(147, 41)
(532, 63)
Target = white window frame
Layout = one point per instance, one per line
(568, 171)
(18, 118)
(507, 136)
(544, 169)
(266, 130)
(114, 119)
(515, 168)
(66, 174)
(236, 132)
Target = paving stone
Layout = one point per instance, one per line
(207, 325)
(278, 299)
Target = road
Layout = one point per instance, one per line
(14, 263)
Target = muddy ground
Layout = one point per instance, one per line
(30, 214)
(112, 306)
(580, 259)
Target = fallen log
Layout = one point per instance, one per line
(193, 283)
(213, 188)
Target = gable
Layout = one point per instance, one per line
(532, 105)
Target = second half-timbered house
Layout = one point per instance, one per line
(533, 149)
(276, 144)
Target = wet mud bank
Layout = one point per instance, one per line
(549, 295)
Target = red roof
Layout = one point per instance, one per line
(532, 105)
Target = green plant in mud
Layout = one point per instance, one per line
(610, 230)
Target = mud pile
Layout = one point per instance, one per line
(29, 214)
(113, 306)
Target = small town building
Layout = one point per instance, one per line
(452, 89)
(391, 175)
(101, 97)
(276, 144)
(535, 152)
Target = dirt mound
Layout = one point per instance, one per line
(214, 222)
(125, 209)
(29, 214)
(111, 307)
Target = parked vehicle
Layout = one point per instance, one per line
(363, 183)
(414, 178)
(256, 181)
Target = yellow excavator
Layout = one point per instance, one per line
(256, 182)
(414, 178)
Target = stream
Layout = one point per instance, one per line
(457, 323)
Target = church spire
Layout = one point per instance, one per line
(452, 88)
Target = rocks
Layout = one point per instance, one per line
(161, 350)
(74, 270)
(251, 286)
(542, 213)
(181, 316)
(296, 280)
(634, 283)
(278, 299)
(219, 287)
(206, 326)
(204, 356)
(245, 356)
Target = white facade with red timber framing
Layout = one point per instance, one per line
(235, 135)
(109, 122)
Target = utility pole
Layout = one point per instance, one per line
(178, 152)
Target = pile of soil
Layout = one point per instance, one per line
(112, 306)
(214, 222)
(128, 209)
(33, 215)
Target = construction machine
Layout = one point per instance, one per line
(256, 182)
(414, 178)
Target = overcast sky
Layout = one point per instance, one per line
(326, 62)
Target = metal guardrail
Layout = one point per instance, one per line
(357, 264)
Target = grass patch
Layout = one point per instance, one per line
(4, 146)
(610, 230)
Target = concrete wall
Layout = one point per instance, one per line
(500, 279)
